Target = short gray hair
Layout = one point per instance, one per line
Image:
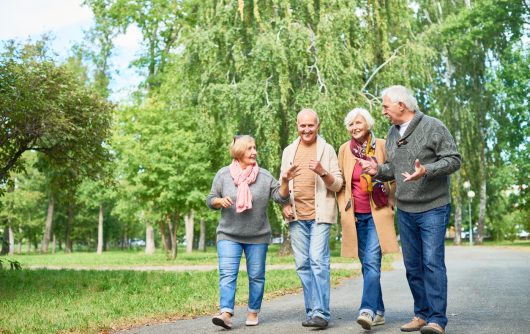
(308, 111)
(401, 94)
(359, 111)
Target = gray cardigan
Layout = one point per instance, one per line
(250, 226)
(428, 140)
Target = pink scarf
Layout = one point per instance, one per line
(242, 178)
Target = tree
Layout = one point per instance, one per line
(46, 109)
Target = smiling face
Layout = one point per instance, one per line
(307, 126)
(359, 129)
(248, 158)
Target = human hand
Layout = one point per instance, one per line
(287, 211)
(290, 173)
(419, 172)
(369, 166)
(316, 167)
(225, 202)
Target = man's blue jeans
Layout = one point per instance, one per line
(310, 243)
(370, 257)
(230, 253)
(422, 239)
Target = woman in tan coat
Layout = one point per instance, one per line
(367, 213)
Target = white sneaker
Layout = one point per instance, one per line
(378, 320)
(365, 320)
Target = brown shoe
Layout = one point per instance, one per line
(432, 328)
(415, 325)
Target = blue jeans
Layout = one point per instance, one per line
(230, 253)
(370, 257)
(422, 239)
(310, 243)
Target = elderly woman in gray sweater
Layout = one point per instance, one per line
(242, 191)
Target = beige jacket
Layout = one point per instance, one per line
(383, 217)
(326, 207)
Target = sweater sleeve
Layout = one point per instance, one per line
(334, 170)
(216, 191)
(385, 171)
(275, 192)
(448, 159)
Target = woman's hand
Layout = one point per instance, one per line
(224, 202)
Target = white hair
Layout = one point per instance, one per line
(359, 111)
(401, 94)
(308, 111)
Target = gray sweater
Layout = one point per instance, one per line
(428, 140)
(250, 226)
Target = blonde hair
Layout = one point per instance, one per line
(239, 146)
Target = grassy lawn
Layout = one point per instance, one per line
(139, 258)
(92, 301)
(89, 301)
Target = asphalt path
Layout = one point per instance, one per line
(489, 292)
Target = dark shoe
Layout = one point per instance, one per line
(316, 322)
(365, 320)
(432, 328)
(415, 325)
(220, 321)
(305, 323)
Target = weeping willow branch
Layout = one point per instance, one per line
(312, 47)
(392, 57)
(267, 91)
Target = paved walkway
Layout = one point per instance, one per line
(489, 292)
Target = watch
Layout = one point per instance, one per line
(324, 174)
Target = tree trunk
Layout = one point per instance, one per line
(173, 228)
(5, 242)
(54, 244)
(165, 241)
(457, 240)
(11, 241)
(68, 245)
(189, 221)
(202, 235)
(149, 239)
(482, 212)
(28, 246)
(100, 230)
(48, 225)
(286, 249)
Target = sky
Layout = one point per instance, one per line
(66, 21)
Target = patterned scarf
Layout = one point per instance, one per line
(364, 152)
(375, 187)
(242, 179)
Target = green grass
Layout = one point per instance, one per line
(134, 258)
(92, 301)
(48, 301)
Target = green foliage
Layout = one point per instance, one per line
(46, 109)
